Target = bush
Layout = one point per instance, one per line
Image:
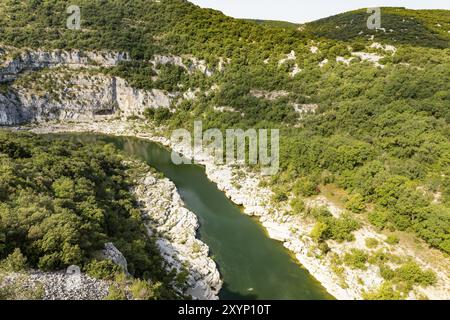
(378, 218)
(15, 262)
(298, 206)
(19, 288)
(385, 292)
(342, 228)
(392, 239)
(371, 243)
(305, 187)
(445, 246)
(116, 293)
(279, 196)
(320, 231)
(413, 274)
(63, 187)
(356, 259)
(158, 115)
(355, 203)
(181, 278)
(142, 290)
(324, 248)
(386, 272)
(103, 269)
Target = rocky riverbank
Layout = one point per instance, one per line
(176, 229)
(346, 284)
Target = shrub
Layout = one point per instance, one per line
(371, 243)
(116, 293)
(332, 228)
(279, 196)
(103, 269)
(356, 259)
(19, 288)
(413, 274)
(15, 262)
(142, 290)
(385, 292)
(158, 115)
(342, 228)
(63, 187)
(305, 187)
(355, 203)
(319, 231)
(392, 239)
(378, 218)
(182, 278)
(386, 272)
(297, 205)
(445, 245)
(324, 248)
(381, 257)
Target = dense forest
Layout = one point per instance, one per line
(379, 132)
(61, 201)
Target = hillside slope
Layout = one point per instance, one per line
(428, 28)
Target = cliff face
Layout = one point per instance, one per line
(175, 229)
(68, 85)
(35, 60)
(86, 97)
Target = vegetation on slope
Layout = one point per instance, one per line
(275, 23)
(426, 28)
(61, 201)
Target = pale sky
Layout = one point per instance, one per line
(300, 11)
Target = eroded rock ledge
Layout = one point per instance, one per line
(176, 229)
(73, 88)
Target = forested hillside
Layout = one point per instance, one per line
(425, 28)
(61, 201)
(367, 116)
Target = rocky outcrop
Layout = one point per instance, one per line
(10, 110)
(77, 97)
(176, 230)
(133, 102)
(112, 253)
(63, 286)
(39, 59)
(191, 64)
(269, 95)
(75, 90)
(371, 57)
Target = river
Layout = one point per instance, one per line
(252, 265)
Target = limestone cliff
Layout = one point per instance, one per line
(39, 86)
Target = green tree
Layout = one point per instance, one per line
(15, 262)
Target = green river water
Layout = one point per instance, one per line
(252, 265)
